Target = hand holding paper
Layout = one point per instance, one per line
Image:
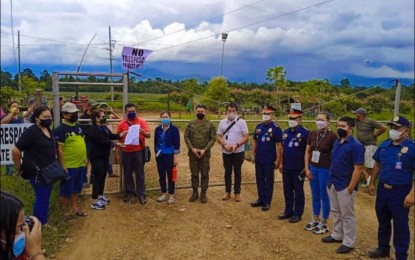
(133, 134)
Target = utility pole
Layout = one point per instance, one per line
(224, 37)
(110, 49)
(397, 97)
(18, 57)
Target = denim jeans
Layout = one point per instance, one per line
(41, 205)
(319, 194)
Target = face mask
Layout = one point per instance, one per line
(200, 116)
(394, 134)
(321, 124)
(74, 118)
(131, 115)
(266, 118)
(103, 120)
(165, 121)
(231, 116)
(19, 244)
(45, 122)
(341, 132)
(292, 123)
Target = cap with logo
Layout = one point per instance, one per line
(400, 121)
(295, 112)
(268, 109)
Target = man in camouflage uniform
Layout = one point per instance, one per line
(200, 136)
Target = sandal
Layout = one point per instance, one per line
(81, 214)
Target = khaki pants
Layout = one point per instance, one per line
(344, 220)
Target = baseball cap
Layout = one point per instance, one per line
(360, 111)
(69, 108)
(93, 104)
(400, 121)
(268, 109)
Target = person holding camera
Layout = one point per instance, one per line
(39, 149)
(20, 236)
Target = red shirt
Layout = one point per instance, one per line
(125, 125)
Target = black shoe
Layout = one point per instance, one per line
(194, 197)
(378, 253)
(344, 249)
(127, 198)
(256, 204)
(284, 216)
(142, 200)
(330, 239)
(295, 219)
(265, 207)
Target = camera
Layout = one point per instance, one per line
(29, 222)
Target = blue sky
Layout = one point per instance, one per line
(366, 41)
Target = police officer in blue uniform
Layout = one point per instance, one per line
(294, 142)
(267, 139)
(395, 166)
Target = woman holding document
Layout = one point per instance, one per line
(100, 138)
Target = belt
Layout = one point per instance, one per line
(387, 186)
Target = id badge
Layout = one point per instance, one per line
(398, 165)
(290, 144)
(263, 139)
(315, 158)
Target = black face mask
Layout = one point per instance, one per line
(103, 120)
(45, 122)
(74, 118)
(200, 116)
(341, 132)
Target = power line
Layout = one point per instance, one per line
(210, 19)
(255, 23)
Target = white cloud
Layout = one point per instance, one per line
(341, 33)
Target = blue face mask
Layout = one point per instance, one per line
(131, 115)
(19, 244)
(165, 121)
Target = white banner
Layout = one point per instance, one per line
(9, 135)
(133, 58)
(296, 106)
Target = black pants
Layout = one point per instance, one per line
(133, 162)
(233, 160)
(99, 167)
(164, 166)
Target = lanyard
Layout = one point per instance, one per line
(318, 141)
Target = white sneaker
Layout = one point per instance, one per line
(321, 229)
(311, 225)
(161, 198)
(97, 205)
(104, 200)
(171, 200)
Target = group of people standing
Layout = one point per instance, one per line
(332, 160)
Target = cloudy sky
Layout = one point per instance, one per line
(359, 39)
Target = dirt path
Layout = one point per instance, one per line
(200, 231)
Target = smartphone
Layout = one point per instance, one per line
(302, 175)
(29, 222)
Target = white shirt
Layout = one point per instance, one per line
(234, 134)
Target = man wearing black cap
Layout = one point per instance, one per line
(365, 130)
(294, 143)
(395, 166)
(267, 138)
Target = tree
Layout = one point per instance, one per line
(277, 76)
(216, 92)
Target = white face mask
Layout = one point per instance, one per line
(292, 123)
(231, 116)
(266, 118)
(321, 124)
(395, 134)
